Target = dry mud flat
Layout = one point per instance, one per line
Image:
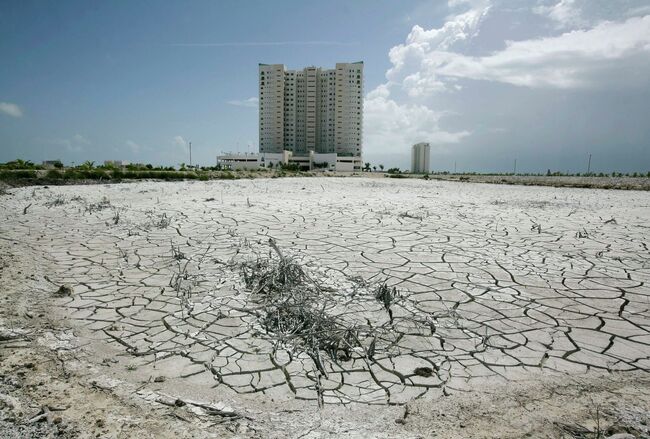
(427, 309)
(593, 182)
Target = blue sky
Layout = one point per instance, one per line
(485, 81)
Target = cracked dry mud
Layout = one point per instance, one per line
(495, 285)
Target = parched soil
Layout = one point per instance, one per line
(419, 309)
(620, 183)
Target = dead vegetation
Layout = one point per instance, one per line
(177, 254)
(293, 313)
(116, 215)
(161, 221)
(58, 200)
(64, 290)
(410, 216)
(386, 296)
(102, 204)
(303, 315)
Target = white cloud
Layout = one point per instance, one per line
(420, 42)
(575, 59)
(565, 13)
(179, 142)
(410, 60)
(10, 109)
(390, 126)
(591, 47)
(250, 102)
(608, 53)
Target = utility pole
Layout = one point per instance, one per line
(190, 154)
(515, 171)
(589, 165)
(454, 166)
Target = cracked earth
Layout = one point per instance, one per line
(494, 286)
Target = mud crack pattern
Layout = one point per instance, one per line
(494, 281)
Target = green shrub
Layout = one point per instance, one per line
(291, 167)
(72, 174)
(86, 174)
(24, 173)
(54, 174)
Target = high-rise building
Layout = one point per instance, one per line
(312, 109)
(420, 158)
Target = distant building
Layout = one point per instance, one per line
(420, 158)
(51, 164)
(116, 163)
(308, 162)
(312, 109)
(312, 118)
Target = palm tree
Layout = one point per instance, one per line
(20, 164)
(367, 167)
(374, 168)
(381, 167)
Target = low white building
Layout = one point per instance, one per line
(51, 164)
(313, 161)
(273, 159)
(239, 161)
(117, 163)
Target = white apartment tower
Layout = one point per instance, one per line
(312, 109)
(420, 158)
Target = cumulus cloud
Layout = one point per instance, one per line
(575, 59)
(390, 126)
(500, 66)
(10, 109)
(420, 43)
(604, 54)
(250, 102)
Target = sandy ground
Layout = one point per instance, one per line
(521, 311)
